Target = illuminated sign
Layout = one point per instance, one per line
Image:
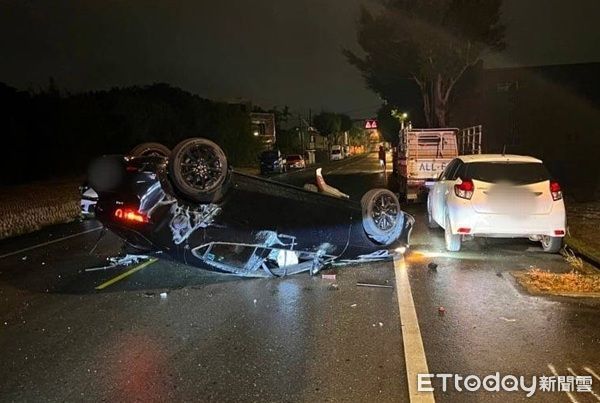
(371, 124)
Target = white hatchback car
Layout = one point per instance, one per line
(500, 196)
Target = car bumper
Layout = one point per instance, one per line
(469, 222)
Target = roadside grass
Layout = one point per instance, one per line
(27, 208)
(538, 281)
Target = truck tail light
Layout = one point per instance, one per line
(130, 215)
(465, 189)
(555, 190)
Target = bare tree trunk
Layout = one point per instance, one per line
(427, 104)
(440, 103)
(426, 107)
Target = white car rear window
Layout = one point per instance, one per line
(522, 173)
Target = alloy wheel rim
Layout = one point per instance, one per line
(201, 168)
(385, 212)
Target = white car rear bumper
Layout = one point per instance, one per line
(465, 218)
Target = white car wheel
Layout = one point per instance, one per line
(551, 244)
(452, 240)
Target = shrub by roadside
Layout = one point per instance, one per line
(27, 208)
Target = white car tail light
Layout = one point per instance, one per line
(465, 189)
(555, 190)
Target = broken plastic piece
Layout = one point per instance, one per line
(373, 285)
(126, 260)
(325, 188)
(328, 276)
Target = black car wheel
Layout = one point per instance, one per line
(198, 170)
(150, 149)
(382, 216)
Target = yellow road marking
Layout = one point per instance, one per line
(414, 352)
(126, 274)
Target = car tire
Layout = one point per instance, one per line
(551, 244)
(430, 221)
(198, 170)
(382, 219)
(453, 241)
(150, 149)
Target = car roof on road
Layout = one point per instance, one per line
(497, 158)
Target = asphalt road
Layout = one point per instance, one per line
(220, 338)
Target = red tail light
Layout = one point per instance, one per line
(130, 215)
(465, 189)
(555, 190)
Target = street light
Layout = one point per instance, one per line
(401, 116)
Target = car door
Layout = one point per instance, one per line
(438, 198)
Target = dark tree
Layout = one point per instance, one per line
(345, 123)
(388, 125)
(429, 42)
(327, 123)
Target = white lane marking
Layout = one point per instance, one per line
(569, 394)
(48, 243)
(591, 372)
(414, 352)
(591, 391)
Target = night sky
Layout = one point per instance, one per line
(272, 52)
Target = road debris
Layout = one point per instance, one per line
(373, 285)
(353, 306)
(507, 320)
(432, 266)
(163, 295)
(328, 276)
(126, 260)
(333, 287)
(441, 311)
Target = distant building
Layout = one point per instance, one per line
(263, 126)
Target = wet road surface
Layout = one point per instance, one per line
(220, 338)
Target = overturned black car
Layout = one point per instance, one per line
(194, 207)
